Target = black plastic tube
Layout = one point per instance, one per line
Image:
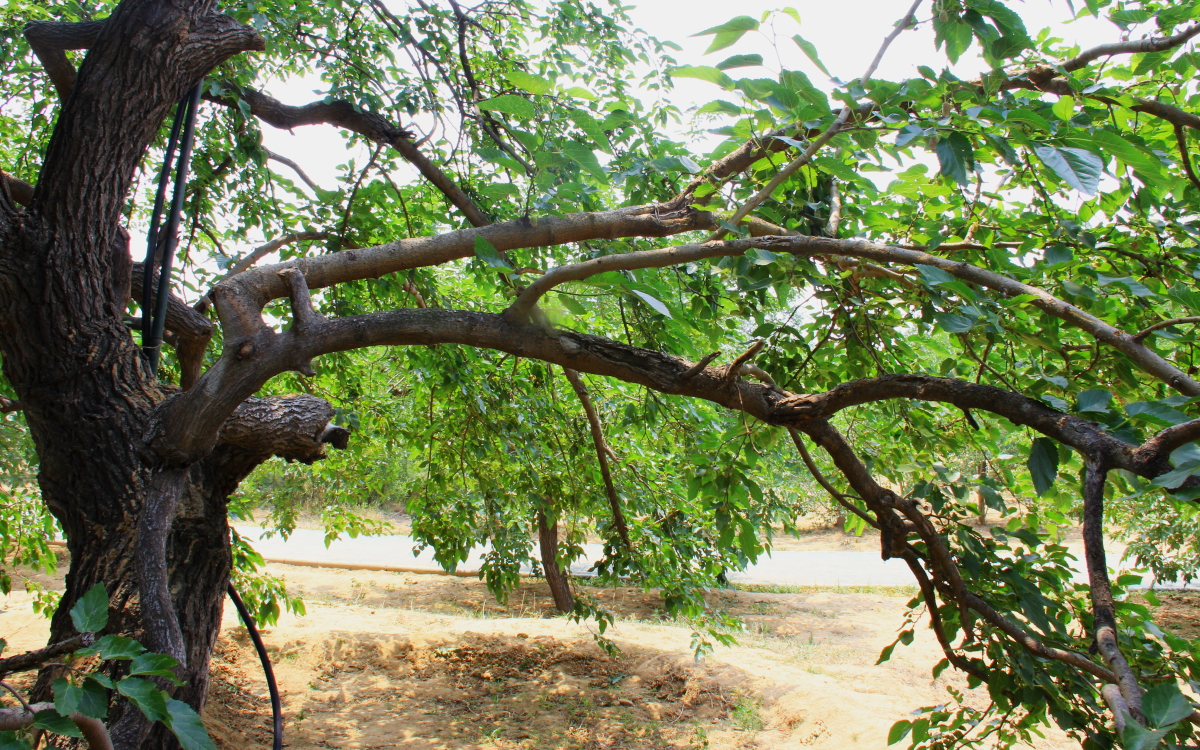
(276, 704)
(160, 197)
(171, 230)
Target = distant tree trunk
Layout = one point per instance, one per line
(560, 587)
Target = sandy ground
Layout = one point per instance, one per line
(385, 660)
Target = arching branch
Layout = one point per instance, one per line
(1148, 360)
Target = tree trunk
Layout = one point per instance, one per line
(560, 586)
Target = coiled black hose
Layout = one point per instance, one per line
(276, 704)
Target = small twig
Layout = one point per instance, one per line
(602, 451)
(295, 168)
(1141, 335)
(34, 659)
(1181, 140)
(735, 366)
(16, 695)
(697, 368)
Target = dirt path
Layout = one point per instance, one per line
(386, 660)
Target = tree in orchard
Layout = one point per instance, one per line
(929, 279)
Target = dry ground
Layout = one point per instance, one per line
(392, 660)
(399, 660)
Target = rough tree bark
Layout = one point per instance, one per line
(90, 399)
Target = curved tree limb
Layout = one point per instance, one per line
(93, 730)
(1043, 75)
(49, 39)
(876, 497)
(1148, 360)
(294, 167)
(369, 124)
(18, 190)
(257, 254)
(818, 475)
(1103, 607)
(372, 262)
(935, 620)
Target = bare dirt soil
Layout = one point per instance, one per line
(394, 660)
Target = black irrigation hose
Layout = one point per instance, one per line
(276, 704)
(161, 245)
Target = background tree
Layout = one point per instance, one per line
(1023, 285)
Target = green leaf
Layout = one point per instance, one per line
(704, 73)
(761, 257)
(810, 51)
(66, 696)
(1043, 464)
(1078, 168)
(1096, 400)
(584, 157)
(908, 134)
(956, 157)
(1155, 412)
(728, 33)
(899, 731)
(187, 727)
(1057, 254)
(10, 741)
(146, 696)
(94, 699)
(1144, 164)
(510, 104)
(90, 613)
(486, 252)
(1164, 704)
(1137, 737)
(1028, 118)
(114, 647)
(573, 305)
(952, 323)
(1064, 108)
(156, 665)
(741, 23)
(933, 275)
(886, 653)
(52, 721)
(1174, 479)
(654, 302)
(529, 82)
(593, 128)
(740, 61)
